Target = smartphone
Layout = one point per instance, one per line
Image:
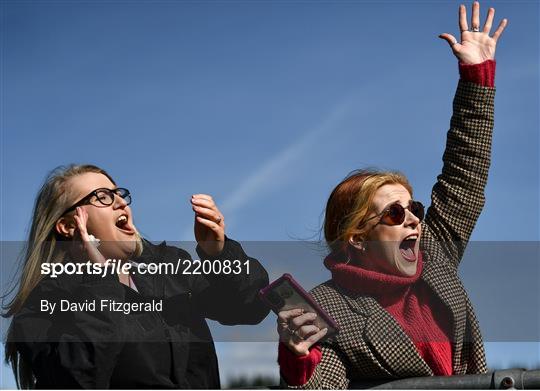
(286, 294)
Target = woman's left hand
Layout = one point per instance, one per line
(476, 45)
(82, 242)
(209, 224)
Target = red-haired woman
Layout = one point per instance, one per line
(395, 290)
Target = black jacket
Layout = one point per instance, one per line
(145, 349)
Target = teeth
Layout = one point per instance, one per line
(122, 219)
(413, 237)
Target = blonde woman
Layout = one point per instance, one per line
(395, 290)
(121, 328)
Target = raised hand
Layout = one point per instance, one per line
(297, 331)
(209, 224)
(82, 241)
(476, 45)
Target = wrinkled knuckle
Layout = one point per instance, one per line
(304, 329)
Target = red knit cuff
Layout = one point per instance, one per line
(296, 370)
(483, 73)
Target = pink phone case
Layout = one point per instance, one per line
(286, 294)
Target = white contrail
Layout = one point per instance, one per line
(271, 172)
(278, 169)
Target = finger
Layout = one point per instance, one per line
(81, 224)
(475, 19)
(208, 204)
(281, 327)
(203, 202)
(285, 316)
(313, 339)
(454, 44)
(463, 18)
(489, 20)
(206, 212)
(306, 331)
(296, 338)
(79, 212)
(209, 214)
(301, 320)
(210, 224)
(81, 230)
(500, 29)
(204, 196)
(82, 212)
(78, 223)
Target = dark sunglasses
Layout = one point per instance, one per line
(102, 197)
(395, 213)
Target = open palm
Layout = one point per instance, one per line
(476, 44)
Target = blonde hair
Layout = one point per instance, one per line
(351, 202)
(42, 246)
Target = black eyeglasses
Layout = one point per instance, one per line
(395, 213)
(102, 196)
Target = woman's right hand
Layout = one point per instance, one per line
(82, 242)
(476, 45)
(297, 331)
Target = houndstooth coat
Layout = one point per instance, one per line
(371, 343)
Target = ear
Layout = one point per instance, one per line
(65, 227)
(357, 242)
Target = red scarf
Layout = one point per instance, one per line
(411, 302)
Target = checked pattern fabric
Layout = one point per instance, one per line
(371, 344)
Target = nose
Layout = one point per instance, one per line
(410, 219)
(119, 202)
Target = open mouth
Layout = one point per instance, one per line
(122, 223)
(407, 248)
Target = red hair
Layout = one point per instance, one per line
(350, 203)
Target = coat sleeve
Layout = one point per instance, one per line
(231, 296)
(70, 349)
(457, 197)
(223, 288)
(330, 374)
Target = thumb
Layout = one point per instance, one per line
(450, 39)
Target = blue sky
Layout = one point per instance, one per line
(266, 106)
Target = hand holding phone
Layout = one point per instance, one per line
(301, 321)
(297, 331)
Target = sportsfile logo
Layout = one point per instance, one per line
(114, 266)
